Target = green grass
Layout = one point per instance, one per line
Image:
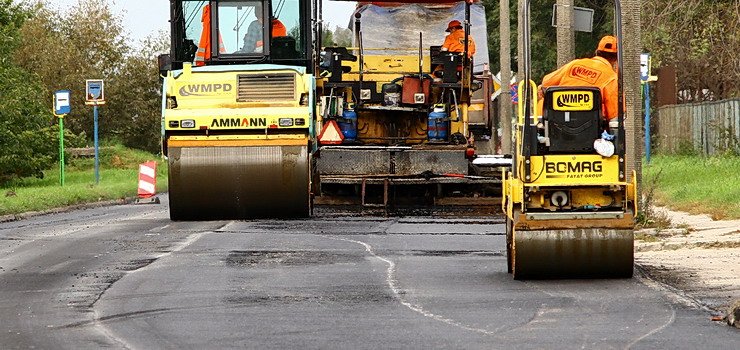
(119, 168)
(695, 184)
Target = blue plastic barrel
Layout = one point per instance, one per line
(348, 123)
(437, 125)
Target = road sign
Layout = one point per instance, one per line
(61, 103)
(94, 92)
(583, 18)
(646, 66)
(331, 134)
(514, 93)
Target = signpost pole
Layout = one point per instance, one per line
(61, 151)
(97, 158)
(647, 122)
(95, 96)
(61, 109)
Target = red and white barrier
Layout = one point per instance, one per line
(147, 179)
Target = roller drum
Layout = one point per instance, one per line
(246, 182)
(573, 253)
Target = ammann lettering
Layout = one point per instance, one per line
(238, 122)
(573, 167)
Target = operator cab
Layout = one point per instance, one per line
(219, 32)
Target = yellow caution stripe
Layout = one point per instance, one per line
(237, 141)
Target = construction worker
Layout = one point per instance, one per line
(455, 41)
(597, 71)
(253, 38)
(204, 46)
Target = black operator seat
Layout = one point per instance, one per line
(283, 47)
(573, 118)
(449, 62)
(333, 62)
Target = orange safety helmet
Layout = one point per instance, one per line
(608, 44)
(453, 24)
(278, 29)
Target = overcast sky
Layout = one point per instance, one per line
(146, 17)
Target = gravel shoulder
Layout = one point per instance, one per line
(698, 256)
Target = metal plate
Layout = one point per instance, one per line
(354, 162)
(211, 183)
(384, 161)
(573, 253)
(437, 161)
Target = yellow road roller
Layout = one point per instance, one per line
(570, 204)
(238, 110)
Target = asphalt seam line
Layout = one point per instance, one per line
(392, 284)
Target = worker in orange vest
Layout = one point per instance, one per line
(204, 45)
(455, 41)
(597, 71)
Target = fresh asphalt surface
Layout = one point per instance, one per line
(127, 277)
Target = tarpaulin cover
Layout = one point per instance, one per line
(399, 27)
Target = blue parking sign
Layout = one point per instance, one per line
(62, 104)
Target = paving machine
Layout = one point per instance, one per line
(238, 110)
(400, 117)
(570, 211)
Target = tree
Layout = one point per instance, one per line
(89, 42)
(699, 38)
(138, 96)
(26, 136)
(85, 43)
(543, 40)
(342, 36)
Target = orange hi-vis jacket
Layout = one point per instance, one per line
(278, 29)
(455, 42)
(596, 72)
(204, 46)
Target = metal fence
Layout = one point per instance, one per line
(706, 128)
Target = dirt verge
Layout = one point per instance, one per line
(697, 255)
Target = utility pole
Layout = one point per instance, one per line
(505, 64)
(631, 75)
(520, 39)
(565, 33)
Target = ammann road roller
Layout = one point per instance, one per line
(238, 111)
(570, 210)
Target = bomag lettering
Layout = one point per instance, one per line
(238, 122)
(573, 167)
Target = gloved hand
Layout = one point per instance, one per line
(606, 136)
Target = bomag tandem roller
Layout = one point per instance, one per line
(570, 211)
(238, 114)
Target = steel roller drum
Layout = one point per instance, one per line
(573, 253)
(245, 182)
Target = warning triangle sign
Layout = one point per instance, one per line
(330, 134)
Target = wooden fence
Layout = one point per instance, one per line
(706, 128)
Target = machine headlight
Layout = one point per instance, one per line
(187, 123)
(286, 122)
(299, 122)
(174, 123)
